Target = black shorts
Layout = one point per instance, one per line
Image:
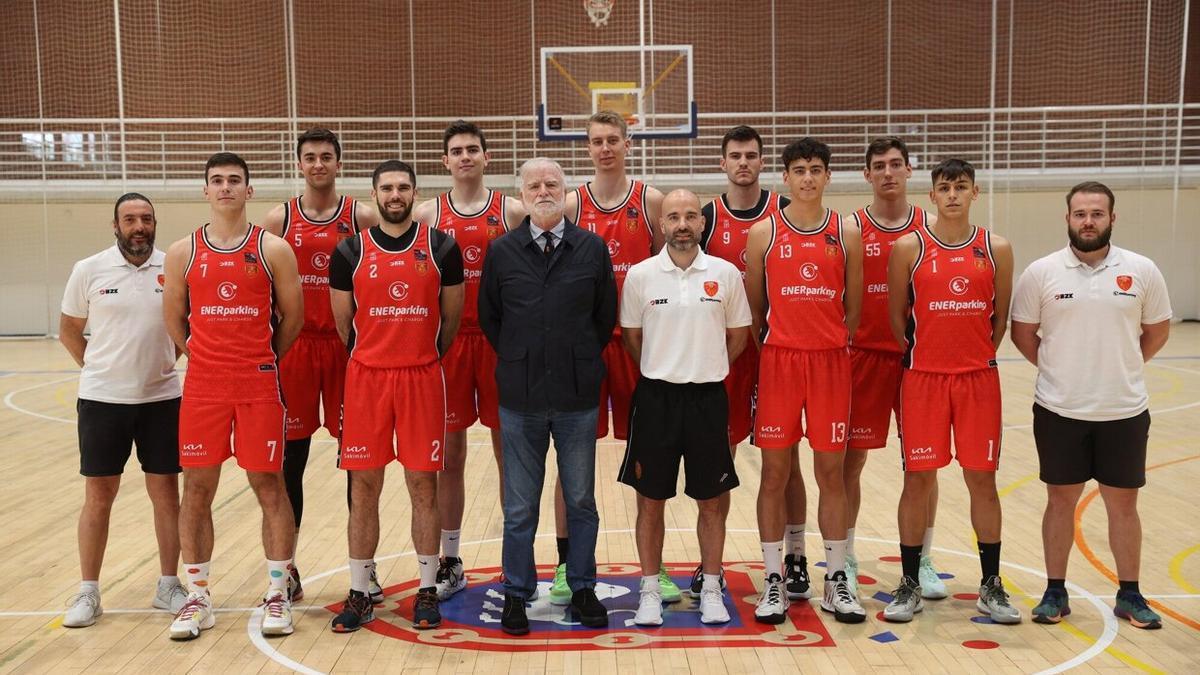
(672, 421)
(107, 430)
(1072, 451)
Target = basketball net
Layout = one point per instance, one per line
(598, 11)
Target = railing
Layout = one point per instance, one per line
(1026, 141)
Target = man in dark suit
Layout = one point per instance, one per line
(548, 304)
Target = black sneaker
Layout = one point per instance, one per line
(796, 571)
(698, 581)
(513, 621)
(425, 609)
(586, 606)
(356, 611)
(295, 590)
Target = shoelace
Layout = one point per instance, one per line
(711, 595)
(1138, 601)
(91, 598)
(426, 601)
(903, 593)
(190, 608)
(998, 595)
(842, 591)
(773, 593)
(273, 606)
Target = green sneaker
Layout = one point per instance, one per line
(670, 592)
(1133, 607)
(560, 592)
(852, 574)
(1053, 608)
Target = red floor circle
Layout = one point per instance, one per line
(980, 644)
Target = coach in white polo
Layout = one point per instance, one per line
(128, 395)
(1089, 316)
(684, 318)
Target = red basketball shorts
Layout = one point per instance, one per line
(205, 428)
(739, 387)
(875, 394)
(617, 389)
(313, 375)
(932, 404)
(407, 405)
(470, 367)
(798, 389)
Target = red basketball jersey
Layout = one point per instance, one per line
(313, 242)
(953, 293)
(874, 328)
(474, 232)
(397, 313)
(806, 283)
(230, 321)
(625, 228)
(728, 237)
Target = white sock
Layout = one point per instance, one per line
(850, 542)
(835, 557)
(450, 543)
(927, 543)
(197, 577)
(794, 538)
(712, 582)
(360, 575)
(278, 573)
(773, 557)
(428, 566)
(92, 587)
(650, 583)
(166, 580)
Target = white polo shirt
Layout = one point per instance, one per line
(683, 315)
(129, 357)
(1090, 360)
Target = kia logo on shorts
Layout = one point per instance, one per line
(958, 285)
(808, 271)
(320, 260)
(227, 290)
(398, 290)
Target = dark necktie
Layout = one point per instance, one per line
(548, 247)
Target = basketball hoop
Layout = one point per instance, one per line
(598, 11)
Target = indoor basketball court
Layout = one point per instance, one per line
(107, 98)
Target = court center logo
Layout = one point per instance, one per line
(471, 618)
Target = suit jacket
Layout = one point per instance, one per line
(548, 318)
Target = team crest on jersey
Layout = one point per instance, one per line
(471, 618)
(251, 270)
(493, 231)
(831, 251)
(161, 278)
(398, 290)
(980, 258)
(711, 288)
(249, 257)
(343, 228)
(1124, 282)
(631, 219)
(493, 221)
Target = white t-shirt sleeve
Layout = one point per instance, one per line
(75, 296)
(1156, 305)
(631, 301)
(737, 310)
(1027, 296)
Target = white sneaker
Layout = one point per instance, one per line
(169, 595)
(277, 614)
(195, 615)
(82, 609)
(450, 577)
(649, 611)
(712, 606)
(932, 586)
(993, 601)
(773, 603)
(852, 574)
(374, 590)
(906, 602)
(839, 600)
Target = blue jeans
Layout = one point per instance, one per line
(526, 439)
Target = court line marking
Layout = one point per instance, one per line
(1099, 646)
(1175, 569)
(8, 400)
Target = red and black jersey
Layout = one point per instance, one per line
(726, 232)
(625, 228)
(313, 242)
(474, 232)
(952, 294)
(806, 285)
(874, 326)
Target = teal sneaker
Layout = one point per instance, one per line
(560, 592)
(852, 574)
(670, 592)
(1133, 608)
(1053, 608)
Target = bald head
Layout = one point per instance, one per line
(682, 222)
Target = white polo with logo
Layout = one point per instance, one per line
(1090, 359)
(683, 315)
(130, 358)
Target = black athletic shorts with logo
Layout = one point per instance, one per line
(108, 430)
(670, 421)
(1073, 451)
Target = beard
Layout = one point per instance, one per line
(1087, 246)
(394, 219)
(683, 244)
(544, 211)
(133, 250)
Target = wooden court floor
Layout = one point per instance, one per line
(41, 492)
